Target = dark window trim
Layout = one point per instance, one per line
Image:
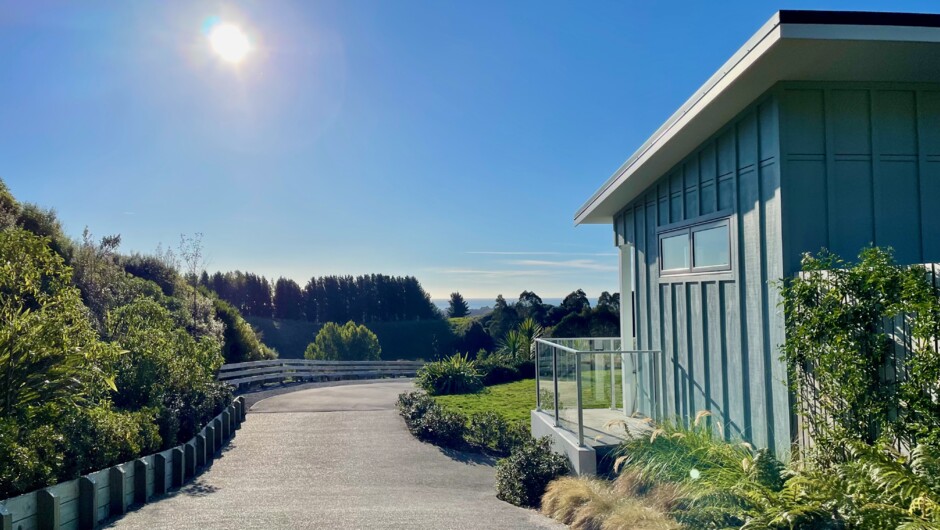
(689, 230)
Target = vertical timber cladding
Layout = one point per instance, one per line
(719, 333)
(862, 166)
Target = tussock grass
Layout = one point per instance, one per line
(592, 504)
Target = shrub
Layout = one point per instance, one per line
(166, 368)
(442, 427)
(429, 422)
(455, 375)
(725, 483)
(470, 335)
(836, 346)
(522, 477)
(240, 343)
(350, 342)
(29, 457)
(490, 431)
(496, 370)
(126, 435)
(49, 353)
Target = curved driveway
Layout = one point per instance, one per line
(336, 457)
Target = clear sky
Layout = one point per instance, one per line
(448, 140)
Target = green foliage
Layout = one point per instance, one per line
(522, 477)
(165, 367)
(724, 484)
(513, 401)
(456, 374)
(836, 347)
(29, 458)
(513, 345)
(429, 422)
(470, 335)
(9, 208)
(71, 400)
(491, 432)
(409, 339)
(350, 342)
(153, 268)
(45, 223)
(288, 299)
(458, 306)
(48, 351)
(240, 343)
(100, 437)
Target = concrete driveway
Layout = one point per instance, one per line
(336, 457)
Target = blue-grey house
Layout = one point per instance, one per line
(823, 130)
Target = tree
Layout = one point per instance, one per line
(576, 302)
(458, 306)
(191, 251)
(608, 302)
(350, 342)
(288, 299)
(530, 305)
(502, 319)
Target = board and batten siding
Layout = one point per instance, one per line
(718, 333)
(862, 165)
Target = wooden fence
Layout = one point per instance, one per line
(88, 501)
(281, 370)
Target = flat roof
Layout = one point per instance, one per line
(791, 46)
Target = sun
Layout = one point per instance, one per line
(229, 42)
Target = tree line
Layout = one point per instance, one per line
(365, 298)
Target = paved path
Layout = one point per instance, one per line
(336, 457)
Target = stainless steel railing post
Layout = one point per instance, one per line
(577, 371)
(555, 380)
(538, 375)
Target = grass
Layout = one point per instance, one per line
(512, 401)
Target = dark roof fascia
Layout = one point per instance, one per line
(860, 18)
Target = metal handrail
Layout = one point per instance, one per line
(539, 343)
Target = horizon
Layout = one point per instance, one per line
(449, 142)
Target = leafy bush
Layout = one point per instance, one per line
(522, 477)
(350, 342)
(153, 268)
(429, 422)
(836, 346)
(497, 369)
(166, 368)
(49, 353)
(470, 335)
(29, 457)
(490, 431)
(240, 343)
(126, 436)
(455, 375)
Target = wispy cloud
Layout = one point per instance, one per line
(491, 273)
(579, 264)
(536, 253)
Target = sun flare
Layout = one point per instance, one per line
(229, 42)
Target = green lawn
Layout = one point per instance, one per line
(513, 401)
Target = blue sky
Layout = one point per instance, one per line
(452, 141)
